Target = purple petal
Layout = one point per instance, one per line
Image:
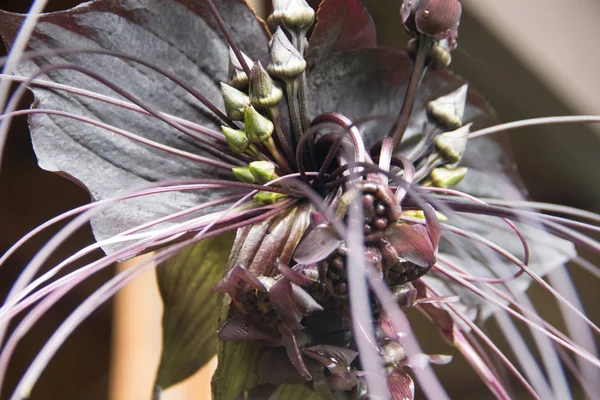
(401, 385)
(317, 245)
(412, 243)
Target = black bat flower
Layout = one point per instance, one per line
(300, 188)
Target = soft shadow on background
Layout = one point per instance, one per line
(559, 164)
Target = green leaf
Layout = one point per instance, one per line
(237, 370)
(186, 284)
(294, 392)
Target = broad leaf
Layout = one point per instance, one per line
(294, 392)
(237, 369)
(186, 282)
(179, 36)
(370, 83)
(341, 25)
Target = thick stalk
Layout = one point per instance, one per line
(299, 38)
(283, 140)
(291, 91)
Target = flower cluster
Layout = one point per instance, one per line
(350, 174)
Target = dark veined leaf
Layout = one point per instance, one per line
(179, 36)
(341, 25)
(186, 282)
(379, 78)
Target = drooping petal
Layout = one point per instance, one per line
(401, 385)
(412, 243)
(190, 307)
(317, 245)
(165, 33)
(276, 368)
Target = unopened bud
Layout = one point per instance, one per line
(449, 110)
(243, 174)
(421, 215)
(446, 177)
(438, 19)
(258, 127)
(236, 139)
(237, 75)
(286, 61)
(452, 145)
(295, 15)
(439, 56)
(264, 93)
(262, 171)
(235, 101)
(268, 197)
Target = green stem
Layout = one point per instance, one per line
(283, 140)
(291, 90)
(299, 38)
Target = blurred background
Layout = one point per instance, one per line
(528, 58)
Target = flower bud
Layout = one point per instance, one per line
(235, 102)
(286, 61)
(295, 15)
(268, 197)
(237, 75)
(262, 171)
(263, 92)
(258, 127)
(421, 215)
(439, 56)
(243, 174)
(438, 19)
(449, 110)
(236, 139)
(446, 177)
(452, 145)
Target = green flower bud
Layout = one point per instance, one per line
(237, 75)
(446, 177)
(235, 102)
(264, 93)
(440, 56)
(421, 215)
(258, 127)
(236, 139)
(243, 174)
(449, 110)
(268, 197)
(295, 15)
(262, 171)
(452, 145)
(286, 61)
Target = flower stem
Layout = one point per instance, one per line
(419, 69)
(283, 140)
(299, 38)
(291, 90)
